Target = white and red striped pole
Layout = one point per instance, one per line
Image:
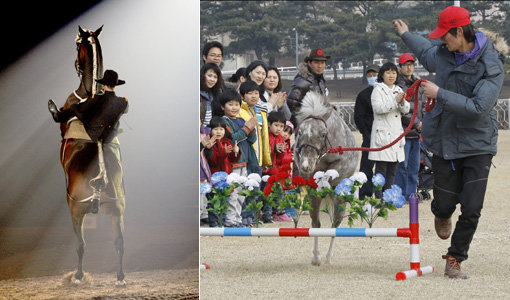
(414, 241)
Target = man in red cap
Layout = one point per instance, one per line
(461, 130)
(407, 171)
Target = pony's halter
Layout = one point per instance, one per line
(324, 148)
(79, 70)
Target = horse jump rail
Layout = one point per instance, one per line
(412, 233)
(308, 232)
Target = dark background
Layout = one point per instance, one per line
(26, 23)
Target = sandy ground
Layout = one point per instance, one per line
(164, 284)
(365, 268)
(160, 262)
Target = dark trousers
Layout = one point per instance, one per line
(366, 166)
(463, 181)
(388, 170)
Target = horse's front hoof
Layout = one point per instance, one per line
(120, 283)
(78, 276)
(316, 261)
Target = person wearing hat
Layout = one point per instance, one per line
(461, 130)
(363, 118)
(309, 78)
(100, 115)
(406, 176)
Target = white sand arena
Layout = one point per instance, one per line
(365, 268)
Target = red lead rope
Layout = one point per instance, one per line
(411, 91)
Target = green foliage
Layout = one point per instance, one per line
(349, 31)
(219, 202)
(357, 208)
(255, 206)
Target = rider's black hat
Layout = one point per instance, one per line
(110, 78)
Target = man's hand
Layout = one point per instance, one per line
(430, 89)
(419, 127)
(400, 26)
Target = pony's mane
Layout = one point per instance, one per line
(313, 104)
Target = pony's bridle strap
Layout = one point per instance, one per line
(324, 150)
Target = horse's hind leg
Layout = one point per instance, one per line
(80, 249)
(316, 223)
(118, 229)
(330, 251)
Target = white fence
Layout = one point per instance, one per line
(502, 111)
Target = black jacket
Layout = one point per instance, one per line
(100, 115)
(404, 83)
(304, 81)
(363, 113)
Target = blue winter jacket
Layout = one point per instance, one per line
(463, 122)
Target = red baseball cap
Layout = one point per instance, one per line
(450, 17)
(405, 58)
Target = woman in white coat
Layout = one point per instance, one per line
(388, 104)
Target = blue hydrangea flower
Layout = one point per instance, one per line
(218, 177)
(205, 188)
(343, 189)
(394, 195)
(400, 201)
(221, 184)
(347, 182)
(378, 180)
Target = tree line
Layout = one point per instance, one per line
(349, 31)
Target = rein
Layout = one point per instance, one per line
(411, 91)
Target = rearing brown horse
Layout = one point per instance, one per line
(92, 181)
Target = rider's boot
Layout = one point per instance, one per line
(95, 206)
(52, 107)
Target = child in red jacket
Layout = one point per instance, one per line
(288, 155)
(276, 122)
(224, 153)
(279, 147)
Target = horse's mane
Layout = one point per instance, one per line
(313, 104)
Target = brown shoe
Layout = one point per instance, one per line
(452, 269)
(443, 227)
